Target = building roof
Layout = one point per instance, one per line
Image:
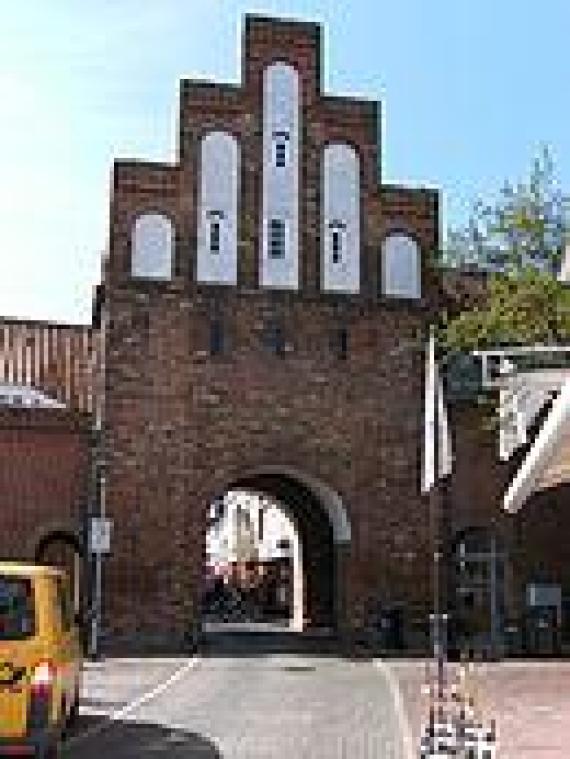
(23, 395)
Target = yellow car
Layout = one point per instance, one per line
(40, 660)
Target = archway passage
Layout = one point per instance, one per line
(271, 557)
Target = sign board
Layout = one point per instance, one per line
(543, 594)
(100, 535)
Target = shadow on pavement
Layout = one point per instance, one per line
(129, 740)
(266, 644)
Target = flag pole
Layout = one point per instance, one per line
(436, 519)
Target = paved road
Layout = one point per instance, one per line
(528, 700)
(238, 706)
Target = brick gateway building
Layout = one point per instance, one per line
(263, 298)
(261, 326)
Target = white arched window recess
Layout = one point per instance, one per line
(279, 265)
(152, 247)
(340, 253)
(401, 267)
(218, 209)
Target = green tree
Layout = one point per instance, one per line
(519, 239)
(526, 225)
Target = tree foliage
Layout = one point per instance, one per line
(527, 309)
(520, 240)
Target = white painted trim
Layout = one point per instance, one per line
(152, 246)
(341, 203)
(219, 191)
(280, 191)
(544, 446)
(297, 621)
(401, 266)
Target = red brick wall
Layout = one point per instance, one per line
(43, 477)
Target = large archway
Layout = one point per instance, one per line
(248, 569)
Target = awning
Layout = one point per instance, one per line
(547, 463)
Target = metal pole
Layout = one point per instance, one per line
(493, 599)
(94, 648)
(436, 512)
(96, 558)
(100, 448)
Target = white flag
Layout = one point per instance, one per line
(435, 415)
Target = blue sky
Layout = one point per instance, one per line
(470, 90)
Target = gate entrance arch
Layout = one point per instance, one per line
(307, 573)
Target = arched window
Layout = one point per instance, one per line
(279, 265)
(341, 219)
(401, 267)
(217, 234)
(152, 247)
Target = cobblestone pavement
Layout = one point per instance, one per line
(529, 701)
(272, 706)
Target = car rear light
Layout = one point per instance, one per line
(17, 751)
(43, 676)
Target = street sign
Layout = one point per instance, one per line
(100, 535)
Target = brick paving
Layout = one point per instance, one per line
(529, 700)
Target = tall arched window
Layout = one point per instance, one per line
(217, 233)
(152, 247)
(279, 265)
(401, 267)
(341, 219)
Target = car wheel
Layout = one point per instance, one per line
(52, 751)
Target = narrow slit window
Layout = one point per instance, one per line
(280, 141)
(214, 230)
(336, 246)
(280, 155)
(342, 345)
(216, 338)
(214, 236)
(278, 341)
(336, 240)
(277, 238)
(274, 338)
